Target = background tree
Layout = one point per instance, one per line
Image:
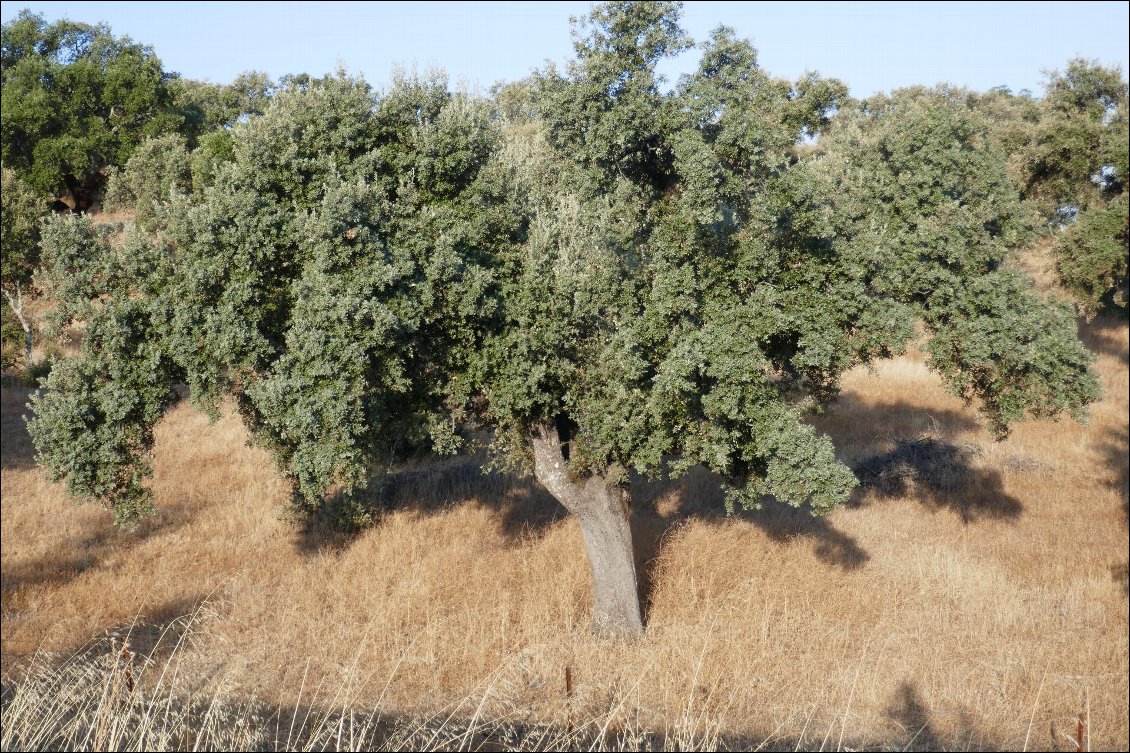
(21, 209)
(77, 99)
(1088, 121)
(1069, 161)
(639, 281)
(207, 107)
(924, 203)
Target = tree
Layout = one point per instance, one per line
(207, 107)
(1090, 124)
(634, 282)
(923, 202)
(1069, 160)
(21, 209)
(1092, 255)
(329, 279)
(77, 99)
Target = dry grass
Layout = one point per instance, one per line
(973, 595)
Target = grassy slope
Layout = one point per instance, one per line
(975, 595)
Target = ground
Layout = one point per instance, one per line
(972, 595)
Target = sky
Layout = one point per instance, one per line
(872, 46)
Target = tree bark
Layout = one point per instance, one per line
(601, 508)
(17, 304)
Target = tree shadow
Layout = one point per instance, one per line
(318, 724)
(151, 635)
(940, 475)
(936, 470)
(857, 426)
(73, 557)
(522, 505)
(54, 570)
(1115, 448)
(157, 633)
(1103, 335)
(18, 451)
(700, 495)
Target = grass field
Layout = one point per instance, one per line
(973, 595)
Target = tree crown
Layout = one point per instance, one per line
(654, 274)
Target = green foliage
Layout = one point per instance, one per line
(76, 99)
(11, 340)
(924, 200)
(608, 109)
(327, 279)
(207, 107)
(665, 299)
(1069, 159)
(159, 168)
(1086, 135)
(660, 275)
(93, 422)
(214, 150)
(1092, 256)
(21, 209)
(1064, 140)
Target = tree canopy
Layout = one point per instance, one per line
(621, 280)
(1082, 159)
(76, 99)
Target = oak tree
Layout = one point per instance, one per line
(624, 280)
(76, 99)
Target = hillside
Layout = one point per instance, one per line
(973, 594)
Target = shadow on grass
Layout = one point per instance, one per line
(73, 557)
(523, 506)
(699, 495)
(919, 729)
(1115, 449)
(17, 453)
(939, 474)
(86, 695)
(56, 569)
(1103, 335)
(918, 459)
(153, 634)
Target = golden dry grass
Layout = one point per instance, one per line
(974, 596)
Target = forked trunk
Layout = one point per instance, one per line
(602, 509)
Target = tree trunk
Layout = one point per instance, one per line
(17, 304)
(85, 192)
(602, 509)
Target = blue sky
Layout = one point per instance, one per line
(872, 46)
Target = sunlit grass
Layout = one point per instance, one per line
(975, 596)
